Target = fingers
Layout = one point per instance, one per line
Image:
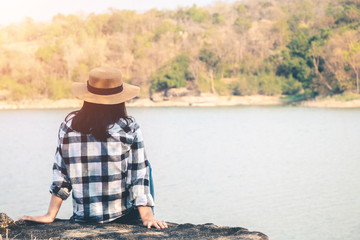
(40, 219)
(157, 224)
(163, 224)
(24, 218)
(153, 223)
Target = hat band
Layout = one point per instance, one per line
(104, 91)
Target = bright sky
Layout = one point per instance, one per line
(12, 11)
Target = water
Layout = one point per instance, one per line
(289, 172)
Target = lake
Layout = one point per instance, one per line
(289, 172)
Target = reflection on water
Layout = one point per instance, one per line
(292, 173)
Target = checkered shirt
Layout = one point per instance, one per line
(106, 178)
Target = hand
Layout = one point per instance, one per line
(148, 219)
(49, 217)
(155, 223)
(41, 219)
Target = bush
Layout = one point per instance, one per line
(308, 93)
(173, 74)
(290, 86)
(57, 88)
(346, 96)
(203, 82)
(221, 87)
(246, 85)
(242, 24)
(16, 91)
(269, 84)
(198, 15)
(80, 73)
(209, 57)
(263, 83)
(218, 19)
(165, 27)
(116, 22)
(46, 53)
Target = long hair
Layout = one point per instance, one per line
(96, 119)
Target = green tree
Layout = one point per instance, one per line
(241, 9)
(95, 24)
(349, 14)
(173, 74)
(212, 62)
(46, 53)
(118, 21)
(352, 57)
(301, 14)
(242, 24)
(164, 27)
(57, 88)
(218, 19)
(296, 67)
(318, 61)
(290, 86)
(198, 15)
(296, 59)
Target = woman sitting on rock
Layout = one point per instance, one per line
(101, 157)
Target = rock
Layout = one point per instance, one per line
(64, 229)
(5, 221)
(172, 93)
(178, 92)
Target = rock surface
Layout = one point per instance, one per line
(64, 229)
(5, 221)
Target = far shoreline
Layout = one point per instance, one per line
(204, 100)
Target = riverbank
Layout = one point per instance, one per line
(204, 100)
(331, 102)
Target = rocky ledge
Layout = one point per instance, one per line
(64, 229)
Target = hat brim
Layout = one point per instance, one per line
(129, 91)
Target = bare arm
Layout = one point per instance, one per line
(148, 219)
(54, 206)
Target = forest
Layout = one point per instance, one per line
(295, 48)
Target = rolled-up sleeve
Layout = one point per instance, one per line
(138, 175)
(61, 185)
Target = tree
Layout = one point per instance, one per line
(342, 60)
(280, 29)
(72, 55)
(317, 60)
(242, 24)
(218, 19)
(263, 46)
(198, 15)
(352, 58)
(211, 60)
(173, 74)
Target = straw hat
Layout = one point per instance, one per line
(105, 86)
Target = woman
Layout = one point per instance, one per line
(101, 158)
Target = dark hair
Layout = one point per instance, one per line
(96, 119)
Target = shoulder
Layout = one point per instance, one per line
(129, 126)
(134, 126)
(65, 127)
(136, 131)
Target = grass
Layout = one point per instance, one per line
(6, 236)
(346, 96)
(293, 99)
(297, 98)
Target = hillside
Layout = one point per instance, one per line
(275, 47)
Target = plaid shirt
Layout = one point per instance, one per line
(106, 178)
